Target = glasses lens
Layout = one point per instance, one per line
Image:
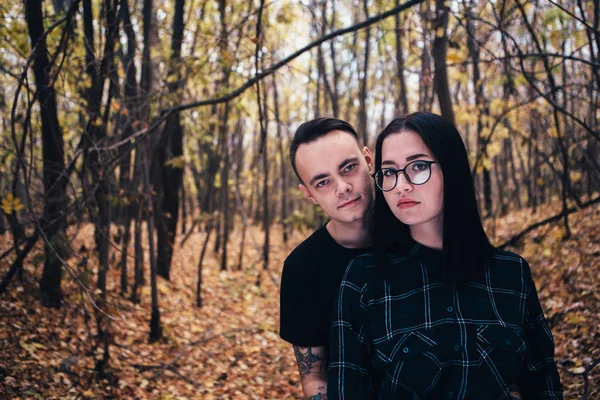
(386, 179)
(418, 172)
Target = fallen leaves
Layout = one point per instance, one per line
(230, 348)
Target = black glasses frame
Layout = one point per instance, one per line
(403, 170)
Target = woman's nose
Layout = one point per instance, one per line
(402, 184)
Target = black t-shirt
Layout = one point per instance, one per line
(310, 282)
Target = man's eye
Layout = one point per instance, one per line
(321, 183)
(350, 167)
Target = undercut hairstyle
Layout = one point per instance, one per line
(313, 130)
(466, 246)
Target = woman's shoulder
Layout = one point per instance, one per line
(360, 268)
(507, 257)
(505, 261)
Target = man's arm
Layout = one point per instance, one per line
(312, 365)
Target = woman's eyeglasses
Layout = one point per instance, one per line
(416, 172)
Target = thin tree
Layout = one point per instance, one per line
(170, 155)
(54, 219)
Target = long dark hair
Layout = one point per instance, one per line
(465, 243)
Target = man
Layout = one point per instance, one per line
(334, 172)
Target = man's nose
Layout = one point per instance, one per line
(343, 187)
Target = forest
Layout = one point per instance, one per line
(148, 201)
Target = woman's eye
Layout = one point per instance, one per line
(349, 168)
(420, 166)
(389, 172)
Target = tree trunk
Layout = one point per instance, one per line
(55, 200)
(401, 100)
(225, 187)
(155, 325)
(335, 98)
(183, 203)
(482, 109)
(362, 96)
(170, 156)
(425, 86)
(264, 151)
(438, 51)
(282, 163)
(209, 230)
(126, 184)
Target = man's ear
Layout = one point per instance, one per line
(368, 158)
(307, 194)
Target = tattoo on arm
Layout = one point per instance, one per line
(514, 392)
(322, 395)
(307, 361)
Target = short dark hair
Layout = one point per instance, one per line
(314, 129)
(465, 243)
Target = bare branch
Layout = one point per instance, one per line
(260, 75)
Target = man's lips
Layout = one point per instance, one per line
(349, 203)
(406, 203)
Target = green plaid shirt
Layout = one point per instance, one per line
(404, 334)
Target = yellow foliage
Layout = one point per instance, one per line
(11, 203)
(227, 58)
(493, 149)
(497, 106)
(556, 39)
(454, 57)
(502, 132)
(575, 176)
(176, 162)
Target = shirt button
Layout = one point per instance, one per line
(456, 347)
(405, 350)
(450, 309)
(450, 395)
(508, 342)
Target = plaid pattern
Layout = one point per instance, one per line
(403, 334)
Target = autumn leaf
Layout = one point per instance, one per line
(453, 57)
(573, 319)
(176, 162)
(11, 204)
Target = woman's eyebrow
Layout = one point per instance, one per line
(415, 156)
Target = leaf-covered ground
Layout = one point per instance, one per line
(230, 348)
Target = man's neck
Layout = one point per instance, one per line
(352, 235)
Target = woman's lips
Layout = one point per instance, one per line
(405, 203)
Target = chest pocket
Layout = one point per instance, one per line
(408, 362)
(501, 350)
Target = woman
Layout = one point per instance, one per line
(436, 311)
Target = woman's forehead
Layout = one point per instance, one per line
(403, 145)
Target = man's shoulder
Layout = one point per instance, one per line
(310, 248)
(360, 268)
